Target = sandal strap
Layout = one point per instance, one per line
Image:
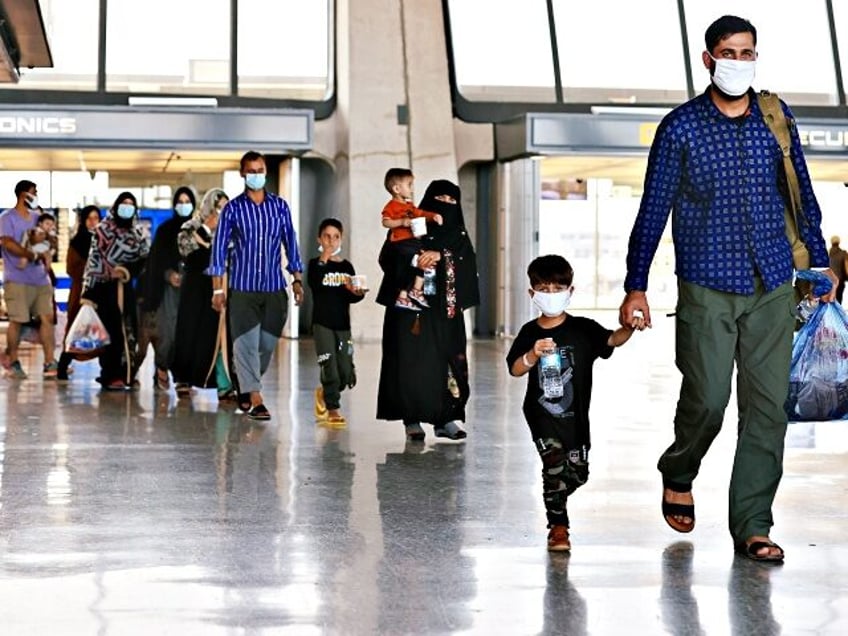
(670, 509)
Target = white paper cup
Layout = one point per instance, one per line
(360, 281)
(419, 226)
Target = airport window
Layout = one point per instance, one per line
(795, 56)
(162, 46)
(612, 60)
(502, 50)
(284, 49)
(73, 48)
(840, 18)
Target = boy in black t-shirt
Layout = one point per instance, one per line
(331, 280)
(556, 404)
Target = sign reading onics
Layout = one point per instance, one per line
(564, 133)
(276, 130)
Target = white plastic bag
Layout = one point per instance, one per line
(87, 335)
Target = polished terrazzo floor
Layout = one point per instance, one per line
(139, 514)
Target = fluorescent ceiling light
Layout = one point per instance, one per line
(629, 110)
(173, 101)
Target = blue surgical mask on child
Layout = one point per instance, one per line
(184, 209)
(254, 180)
(126, 210)
(551, 304)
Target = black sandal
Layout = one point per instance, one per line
(259, 412)
(671, 510)
(750, 550)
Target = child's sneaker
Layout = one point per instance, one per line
(16, 371)
(558, 539)
(51, 370)
(405, 303)
(418, 298)
(320, 405)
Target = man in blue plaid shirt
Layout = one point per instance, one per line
(716, 165)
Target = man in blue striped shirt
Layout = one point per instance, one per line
(716, 165)
(259, 224)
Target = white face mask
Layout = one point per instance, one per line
(551, 304)
(733, 77)
(32, 201)
(336, 252)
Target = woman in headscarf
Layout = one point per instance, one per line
(199, 357)
(424, 370)
(78, 248)
(162, 284)
(117, 254)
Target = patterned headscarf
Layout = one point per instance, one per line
(188, 239)
(116, 242)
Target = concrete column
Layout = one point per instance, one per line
(391, 59)
(518, 241)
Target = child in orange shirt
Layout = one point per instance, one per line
(397, 216)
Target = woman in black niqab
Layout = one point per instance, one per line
(424, 370)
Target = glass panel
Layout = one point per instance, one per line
(72, 32)
(284, 49)
(168, 46)
(502, 50)
(795, 57)
(611, 63)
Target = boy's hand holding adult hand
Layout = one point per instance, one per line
(635, 301)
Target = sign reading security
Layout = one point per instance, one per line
(568, 133)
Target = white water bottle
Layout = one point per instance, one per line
(429, 288)
(550, 374)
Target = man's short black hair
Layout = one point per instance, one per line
(23, 186)
(551, 268)
(330, 222)
(726, 26)
(393, 175)
(250, 155)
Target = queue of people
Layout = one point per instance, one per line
(214, 301)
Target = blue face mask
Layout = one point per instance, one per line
(254, 181)
(126, 210)
(184, 209)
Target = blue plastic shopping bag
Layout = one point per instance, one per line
(818, 375)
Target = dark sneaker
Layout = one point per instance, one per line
(451, 430)
(16, 371)
(414, 432)
(51, 370)
(558, 539)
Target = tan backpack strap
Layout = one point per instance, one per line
(776, 121)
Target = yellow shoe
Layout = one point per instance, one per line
(336, 421)
(320, 405)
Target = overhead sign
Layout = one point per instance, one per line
(267, 130)
(569, 133)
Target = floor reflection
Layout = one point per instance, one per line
(424, 580)
(143, 514)
(677, 602)
(565, 610)
(749, 602)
